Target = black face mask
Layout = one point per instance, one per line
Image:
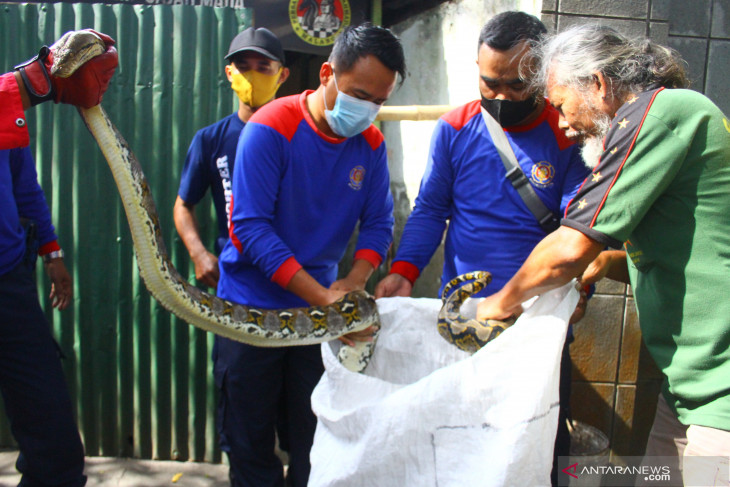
(508, 112)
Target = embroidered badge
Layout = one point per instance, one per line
(357, 175)
(542, 174)
(318, 22)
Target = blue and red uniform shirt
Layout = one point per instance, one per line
(21, 197)
(298, 195)
(490, 227)
(209, 164)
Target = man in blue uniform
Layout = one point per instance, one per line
(255, 70)
(309, 168)
(34, 390)
(489, 225)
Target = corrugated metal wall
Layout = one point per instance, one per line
(142, 380)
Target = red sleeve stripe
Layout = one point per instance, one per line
(628, 152)
(405, 269)
(49, 247)
(373, 137)
(286, 271)
(231, 233)
(369, 255)
(460, 116)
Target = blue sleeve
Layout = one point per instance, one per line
(376, 220)
(195, 178)
(260, 163)
(29, 196)
(576, 174)
(425, 227)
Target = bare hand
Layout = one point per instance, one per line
(596, 270)
(365, 335)
(490, 308)
(206, 269)
(393, 285)
(347, 285)
(61, 284)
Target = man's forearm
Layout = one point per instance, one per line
(560, 257)
(187, 228)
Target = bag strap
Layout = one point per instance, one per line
(545, 217)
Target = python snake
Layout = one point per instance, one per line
(467, 334)
(260, 327)
(355, 311)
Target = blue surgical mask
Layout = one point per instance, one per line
(350, 115)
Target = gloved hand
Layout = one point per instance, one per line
(85, 87)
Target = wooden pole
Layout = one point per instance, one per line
(412, 112)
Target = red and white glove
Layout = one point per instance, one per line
(84, 88)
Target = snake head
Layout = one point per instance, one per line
(74, 49)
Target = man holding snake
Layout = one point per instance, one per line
(36, 398)
(658, 195)
(309, 168)
(490, 226)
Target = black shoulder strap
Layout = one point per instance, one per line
(548, 221)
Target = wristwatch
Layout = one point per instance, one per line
(56, 254)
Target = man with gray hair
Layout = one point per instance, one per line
(659, 191)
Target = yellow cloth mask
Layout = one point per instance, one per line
(253, 88)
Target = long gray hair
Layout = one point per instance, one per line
(572, 57)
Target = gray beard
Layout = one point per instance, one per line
(592, 148)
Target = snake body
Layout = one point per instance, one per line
(260, 327)
(467, 334)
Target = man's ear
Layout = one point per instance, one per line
(230, 69)
(325, 73)
(600, 84)
(284, 75)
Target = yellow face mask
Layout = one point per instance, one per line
(253, 88)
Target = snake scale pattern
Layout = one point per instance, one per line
(260, 327)
(467, 334)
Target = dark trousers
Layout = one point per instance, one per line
(562, 438)
(256, 386)
(34, 390)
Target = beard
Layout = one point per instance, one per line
(592, 148)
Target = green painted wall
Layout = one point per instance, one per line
(141, 379)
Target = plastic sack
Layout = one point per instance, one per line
(425, 413)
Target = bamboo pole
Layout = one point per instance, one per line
(412, 112)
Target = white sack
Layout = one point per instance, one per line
(427, 414)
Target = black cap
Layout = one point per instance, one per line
(260, 40)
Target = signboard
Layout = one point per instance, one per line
(309, 26)
(197, 3)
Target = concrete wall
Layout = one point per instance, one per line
(441, 53)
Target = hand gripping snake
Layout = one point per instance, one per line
(467, 334)
(260, 327)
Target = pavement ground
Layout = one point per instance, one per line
(129, 472)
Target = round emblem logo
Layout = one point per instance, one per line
(357, 175)
(318, 22)
(542, 174)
